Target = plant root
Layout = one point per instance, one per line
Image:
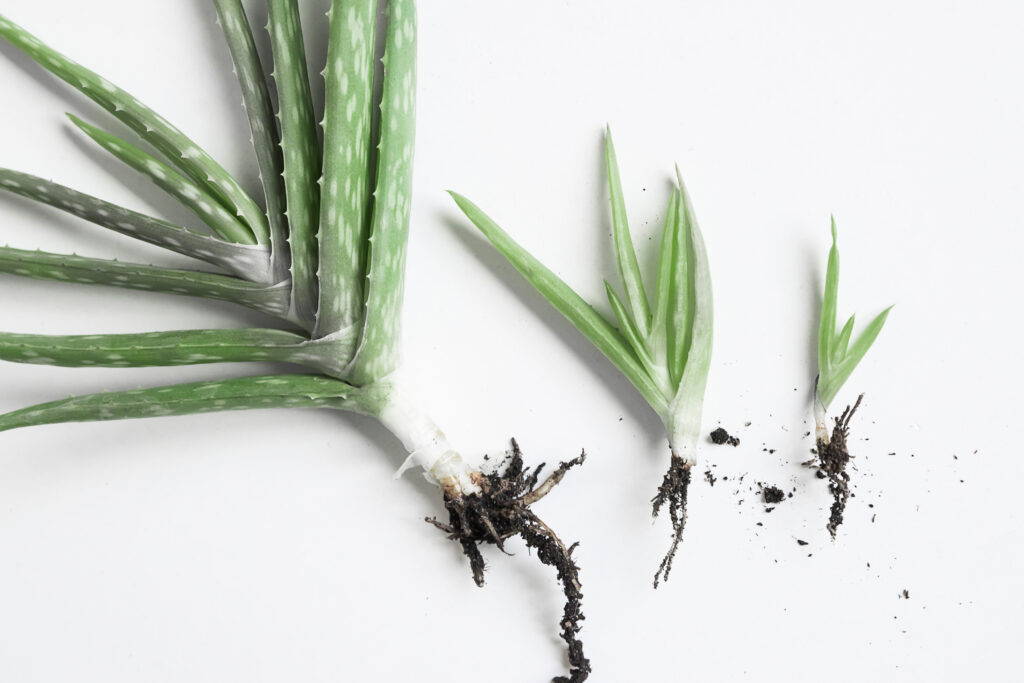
(502, 511)
(833, 457)
(673, 491)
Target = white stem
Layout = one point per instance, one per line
(683, 427)
(820, 420)
(427, 445)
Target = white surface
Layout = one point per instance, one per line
(275, 546)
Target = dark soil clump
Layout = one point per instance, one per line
(833, 457)
(502, 510)
(720, 436)
(673, 492)
(773, 494)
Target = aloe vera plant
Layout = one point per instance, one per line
(837, 359)
(323, 250)
(662, 344)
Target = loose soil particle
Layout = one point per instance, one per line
(720, 436)
(773, 494)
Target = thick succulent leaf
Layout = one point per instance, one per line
(657, 342)
(681, 300)
(827, 323)
(843, 341)
(345, 190)
(154, 129)
(269, 299)
(385, 279)
(626, 325)
(188, 193)
(249, 262)
(179, 347)
(689, 401)
(260, 111)
(831, 382)
(625, 253)
(302, 163)
(275, 391)
(584, 318)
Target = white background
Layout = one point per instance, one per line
(271, 546)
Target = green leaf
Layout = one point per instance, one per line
(262, 124)
(830, 383)
(180, 347)
(843, 341)
(345, 191)
(188, 193)
(625, 254)
(154, 129)
(275, 391)
(302, 161)
(251, 262)
(269, 299)
(392, 200)
(689, 400)
(658, 339)
(827, 325)
(682, 303)
(627, 327)
(584, 318)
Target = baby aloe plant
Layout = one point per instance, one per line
(324, 253)
(661, 344)
(837, 358)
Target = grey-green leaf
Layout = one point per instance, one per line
(250, 262)
(270, 299)
(275, 391)
(830, 383)
(827, 324)
(625, 253)
(584, 318)
(151, 127)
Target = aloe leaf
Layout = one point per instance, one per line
(843, 341)
(689, 401)
(269, 299)
(250, 262)
(658, 339)
(150, 349)
(188, 193)
(827, 324)
(625, 253)
(345, 190)
(302, 161)
(262, 124)
(831, 382)
(385, 279)
(584, 318)
(274, 391)
(154, 129)
(626, 325)
(681, 304)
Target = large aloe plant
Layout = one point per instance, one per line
(323, 250)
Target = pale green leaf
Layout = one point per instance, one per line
(625, 253)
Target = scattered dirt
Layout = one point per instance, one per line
(773, 494)
(720, 436)
(501, 511)
(833, 457)
(673, 491)
(800, 541)
(710, 478)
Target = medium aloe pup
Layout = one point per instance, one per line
(837, 358)
(661, 344)
(324, 253)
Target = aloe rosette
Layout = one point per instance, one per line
(662, 343)
(323, 250)
(838, 356)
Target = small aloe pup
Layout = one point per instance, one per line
(325, 253)
(837, 358)
(661, 344)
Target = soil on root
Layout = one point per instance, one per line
(501, 511)
(672, 492)
(833, 457)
